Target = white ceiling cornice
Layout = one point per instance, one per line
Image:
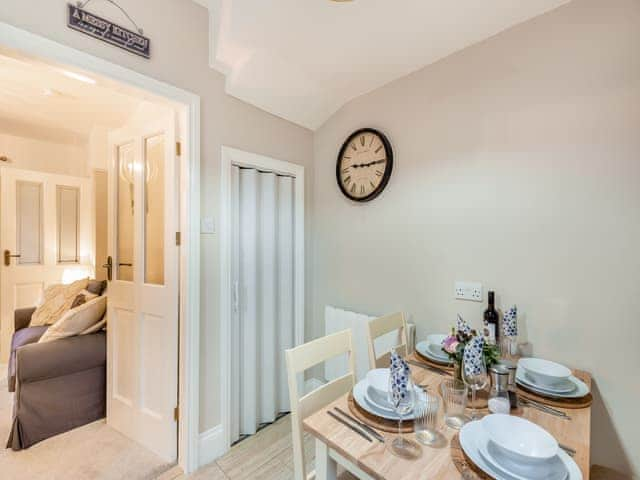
(303, 60)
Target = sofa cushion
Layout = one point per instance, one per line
(20, 338)
(57, 300)
(97, 287)
(77, 320)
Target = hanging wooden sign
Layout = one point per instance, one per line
(107, 31)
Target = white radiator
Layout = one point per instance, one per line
(336, 319)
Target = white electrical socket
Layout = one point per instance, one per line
(468, 291)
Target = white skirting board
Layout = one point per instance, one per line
(211, 445)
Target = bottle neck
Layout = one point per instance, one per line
(491, 300)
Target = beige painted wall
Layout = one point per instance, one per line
(29, 153)
(517, 165)
(179, 34)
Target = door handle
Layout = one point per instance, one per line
(109, 267)
(8, 257)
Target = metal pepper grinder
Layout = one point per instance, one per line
(511, 382)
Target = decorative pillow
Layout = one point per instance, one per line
(76, 321)
(97, 327)
(83, 297)
(57, 300)
(97, 287)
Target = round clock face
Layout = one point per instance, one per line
(364, 165)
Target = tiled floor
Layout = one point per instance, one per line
(265, 456)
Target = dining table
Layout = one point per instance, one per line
(336, 444)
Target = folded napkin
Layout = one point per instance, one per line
(400, 374)
(463, 326)
(510, 322)
(473, 356)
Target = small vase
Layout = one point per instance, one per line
(457, 370)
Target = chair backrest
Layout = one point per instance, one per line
(381, 326)
(302, 358)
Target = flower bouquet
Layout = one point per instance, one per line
(454, 345)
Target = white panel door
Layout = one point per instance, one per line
(45, 239)
(142, 338)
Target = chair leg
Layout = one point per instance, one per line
(326, 467)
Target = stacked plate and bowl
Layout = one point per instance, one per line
(506, 447)
(372, 395)
(549, 379)
(431, 349)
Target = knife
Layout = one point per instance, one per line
(428, 367)
(362, 425)
(346, 424)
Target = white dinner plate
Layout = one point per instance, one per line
(424, 350)
(364, 402)
(580, 391)
(553, 469)
(473, 431)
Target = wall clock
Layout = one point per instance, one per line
(364, 165)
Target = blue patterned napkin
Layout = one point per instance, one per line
(472, 356)
(399, 374)
(463, 326)
(510, 322)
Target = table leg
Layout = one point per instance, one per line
(326, 467)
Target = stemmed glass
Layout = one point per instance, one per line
(403, 405)
(477, 380)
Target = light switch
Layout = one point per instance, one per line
(207, 225)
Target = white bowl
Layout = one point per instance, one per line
(436, 338)
(544, 372)
(434, 344)
(518, 439)
(378, 381)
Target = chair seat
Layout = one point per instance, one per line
(21, 338)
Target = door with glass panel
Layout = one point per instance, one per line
(142, 338)
(45, 239)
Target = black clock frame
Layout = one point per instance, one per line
(387, 172)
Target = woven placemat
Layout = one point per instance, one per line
(465, 466)
(376, 422)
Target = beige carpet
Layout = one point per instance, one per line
(94, 451)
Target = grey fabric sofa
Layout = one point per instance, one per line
(59, 385)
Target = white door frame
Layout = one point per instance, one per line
(232, 156)
(189, 367)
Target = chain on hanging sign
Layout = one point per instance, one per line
(97, 27)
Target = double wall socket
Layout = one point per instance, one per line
(468, 291)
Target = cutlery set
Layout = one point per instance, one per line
(360, 428)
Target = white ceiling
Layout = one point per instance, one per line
(40, 100)
(304, 59)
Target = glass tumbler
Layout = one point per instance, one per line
(425, 423)
(454, 396)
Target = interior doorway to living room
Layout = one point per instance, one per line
(89, 197)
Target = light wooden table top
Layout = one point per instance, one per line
(435, 463)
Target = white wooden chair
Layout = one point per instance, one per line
(300, 359)
(381, 326)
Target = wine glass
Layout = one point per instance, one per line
(402, 404)
(476, 379)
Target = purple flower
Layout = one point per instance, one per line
(450, 344)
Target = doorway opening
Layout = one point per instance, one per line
(127, 203)
(262, 287)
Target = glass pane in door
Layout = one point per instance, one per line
(154, 210)
(126, 168)
(29, 222)
(68, 204)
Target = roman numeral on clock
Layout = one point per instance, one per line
(378, 173)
